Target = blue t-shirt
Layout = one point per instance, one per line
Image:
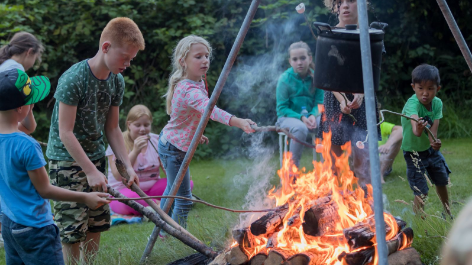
(21, 201)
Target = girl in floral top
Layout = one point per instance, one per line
(187, 98)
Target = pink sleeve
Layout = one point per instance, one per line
(198, 100)
(109, 152)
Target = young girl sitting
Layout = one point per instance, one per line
(187, 98)
(141, 144)
(23, 50)
(295, 90)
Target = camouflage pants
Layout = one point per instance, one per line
(76, 219)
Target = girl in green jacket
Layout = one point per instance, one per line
(295, 91)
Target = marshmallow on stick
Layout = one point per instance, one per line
(300, 8)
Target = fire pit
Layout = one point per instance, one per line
(319, 218)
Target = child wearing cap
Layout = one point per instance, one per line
(28, 229)
(88, 96)
(421, 152)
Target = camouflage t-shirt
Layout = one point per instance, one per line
(93, 98)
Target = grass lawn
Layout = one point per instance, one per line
(226, 183)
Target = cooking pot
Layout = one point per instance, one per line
(338, 64)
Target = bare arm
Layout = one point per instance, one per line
(67, 114)
(40, 181)
(28, 124)
(417, 127)
(115, 138)
(114, 171)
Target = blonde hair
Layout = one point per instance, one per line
(124, 31)
(178, 71)
(134, 114)
(303, 45)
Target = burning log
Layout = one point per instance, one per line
(304, 258)
(236, 256)
(321, 218)
(364, 256)
(276, 257)
(272, 242)
(270, 222)
(361, 234)
(258, 259)
(244, 237)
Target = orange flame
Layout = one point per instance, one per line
(299, 190)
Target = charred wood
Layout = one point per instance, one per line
(304, 258)
(269, 222)
(272, 242)
(321, 218)
(244, 237)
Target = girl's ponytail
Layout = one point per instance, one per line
(20, 43)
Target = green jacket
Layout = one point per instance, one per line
(293, 93)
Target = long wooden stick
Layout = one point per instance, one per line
(121, 167)
(192, 200)
(175, 232)
(283, 130)
(406, 117)
(345, 100)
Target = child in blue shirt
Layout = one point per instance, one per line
(29, 232)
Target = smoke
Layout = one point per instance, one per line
(250, 93)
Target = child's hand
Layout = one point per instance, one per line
(96, 199)
(385, 149)
(140, 142)
(97, 181)
(204, 140)
(436, 145)
(356, 101)
(345, 109)
(421, 124)
(310, 122)
(133, 178)
(243, 124)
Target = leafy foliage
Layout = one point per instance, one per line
(70, 30)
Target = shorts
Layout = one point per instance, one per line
(31, 245)
(75, 219)
(431, 162)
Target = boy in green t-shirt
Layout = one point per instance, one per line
(421, 152)
(88, 96)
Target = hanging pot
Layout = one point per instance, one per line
(338, 64)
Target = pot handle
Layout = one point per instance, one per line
(322, 26)
(378, 25)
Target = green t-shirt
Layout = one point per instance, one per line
(413, 106)
(385, 129)
(93, 98)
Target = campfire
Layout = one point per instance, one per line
(320, 217)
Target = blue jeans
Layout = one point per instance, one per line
(172, 158)
(30, 245)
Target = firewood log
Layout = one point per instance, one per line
(276, 257)
(258, 259)
(236, 256)
(244, 237)
(272, 241)
(321, 218)
(304, 258)
(269, 222)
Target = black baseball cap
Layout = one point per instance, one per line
(18, 89)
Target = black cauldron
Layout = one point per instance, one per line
(338, 64)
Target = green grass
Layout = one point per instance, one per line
(226, 183)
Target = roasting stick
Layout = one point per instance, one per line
(192, 200)
(121, 167)
(404, 116)
(345, 99)
(176, 232)
(283, 130)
